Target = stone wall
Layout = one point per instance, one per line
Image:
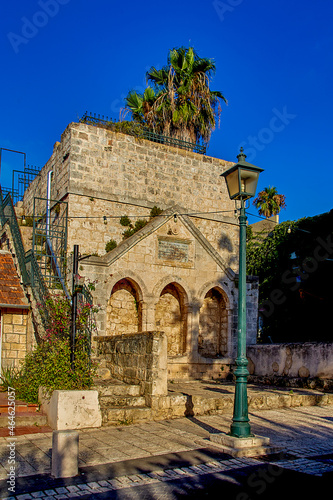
(298, 360)
(104, 173)
(14, 336)
(137, 359)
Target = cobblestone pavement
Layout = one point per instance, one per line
(113, 458)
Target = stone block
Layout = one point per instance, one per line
(72, 409)
(65, 453)
(12, 337)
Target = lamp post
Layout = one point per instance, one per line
(241, 181)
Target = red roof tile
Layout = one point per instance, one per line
(11, 291)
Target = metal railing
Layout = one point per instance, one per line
(39, 289)
(21, 179)
(49, 241)
(7, 214)
(145, 133)
(31, 271)
(85, 297)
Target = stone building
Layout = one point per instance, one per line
(178, 273)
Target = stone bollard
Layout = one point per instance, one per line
(65, 453)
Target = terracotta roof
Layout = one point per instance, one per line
(11, 291)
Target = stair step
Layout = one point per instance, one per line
(116, 388)
(19, 407)
(25, 419)
(115, 400)
(125, 415)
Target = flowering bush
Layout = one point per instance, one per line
(49, 363)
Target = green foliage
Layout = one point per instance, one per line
(249, 233)
(140, 223)
(8, 377)
(294, 290)
(127, 127)
(155, 211)
(49, 364)
(179, 102)
(125, 221)
(110, 245)
(269, 202)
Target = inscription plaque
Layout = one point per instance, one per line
(173, 250)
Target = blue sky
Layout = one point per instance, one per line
(274, 65)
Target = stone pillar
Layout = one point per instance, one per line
(148, 315)
(65, 453)
(192, 349)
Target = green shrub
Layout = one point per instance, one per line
(49, 364)
(155, 211)
(128, 127)
(125, 221)
(9, 376)
(140, 223)
(110, 245)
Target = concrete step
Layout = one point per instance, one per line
(126, 415)
(120, 400)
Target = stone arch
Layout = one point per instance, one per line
(214, 324)
(223, 285)
(159, 287)
(131, 276)
(171, 316)
(124, 308)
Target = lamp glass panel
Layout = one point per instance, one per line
(249, 180)
(233, 183)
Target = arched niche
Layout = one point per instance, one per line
(124, 308)
(213, 324)
(171, 317)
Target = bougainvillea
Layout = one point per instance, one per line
(49, 364)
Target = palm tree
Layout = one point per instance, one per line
(179, 102)
(269, 202)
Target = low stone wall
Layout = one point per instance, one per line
(137, 359)
(298, 361)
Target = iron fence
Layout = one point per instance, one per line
(145, 133)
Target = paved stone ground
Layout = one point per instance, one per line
(113, 458)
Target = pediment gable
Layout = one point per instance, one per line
(174, 239)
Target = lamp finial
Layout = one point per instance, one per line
(241, 156)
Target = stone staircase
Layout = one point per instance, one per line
(26, 415)
(121, 403)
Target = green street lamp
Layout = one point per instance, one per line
(241, 181)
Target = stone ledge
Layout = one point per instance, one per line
(244, 447)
